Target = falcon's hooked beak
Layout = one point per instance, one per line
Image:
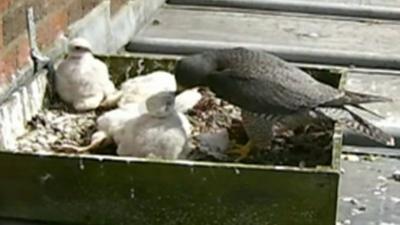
(179, 89)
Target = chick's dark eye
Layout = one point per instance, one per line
(169, 103)
(78, 48)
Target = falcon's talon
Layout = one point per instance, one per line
(242, 150)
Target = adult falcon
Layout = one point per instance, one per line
(270, 91)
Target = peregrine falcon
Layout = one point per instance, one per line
(82, 80)
(270, 91)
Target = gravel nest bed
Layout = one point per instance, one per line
(306, 146)
(58, 125)
(309, 146)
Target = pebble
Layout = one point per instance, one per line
(396, 175)
(42, 140)
(52, 138)
(36, 147)
(395, 200)
(382, 178)
(347, 222)
(351, 200)
(351, 158)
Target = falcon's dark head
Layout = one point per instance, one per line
(193, 70)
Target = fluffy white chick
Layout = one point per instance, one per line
(139, 88)
(82, 80)
(114, 120)
(161, 132)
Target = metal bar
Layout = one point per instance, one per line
(40, 61)
(356, 139)
(291, 53)
(31, 28)
(315, 7)
(365, 150)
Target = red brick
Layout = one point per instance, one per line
(51, 16)
(1, 35)
(51, 27)
(8, 62)
(14, 20)
(74, 10)
(15, 55)
(4, 5)
(4, 80)
(23, 52)
(13, 24)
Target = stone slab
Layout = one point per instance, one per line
(295, 37)
(368, 195)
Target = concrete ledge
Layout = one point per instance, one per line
(294, 37)
(130, 19)
(95, 27)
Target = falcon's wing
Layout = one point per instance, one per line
(265, 93)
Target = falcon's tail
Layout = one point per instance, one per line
(358, 124)
(353, 98)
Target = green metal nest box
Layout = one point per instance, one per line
(102, 189)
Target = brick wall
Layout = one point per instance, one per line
(52, 18)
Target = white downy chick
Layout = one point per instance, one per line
(187, 100)
(139, 88)
(110, 122)
(107, 126)
(160, 132)
(81, 79)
